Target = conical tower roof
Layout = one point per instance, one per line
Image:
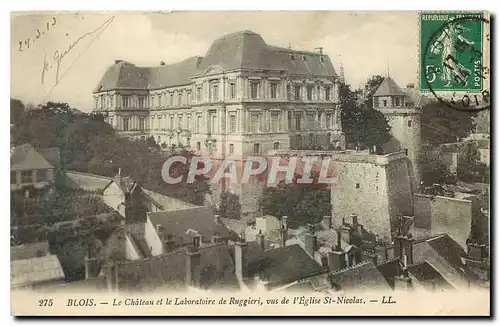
(389, 88)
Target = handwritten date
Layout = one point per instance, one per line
(26, 43)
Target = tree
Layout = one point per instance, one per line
(370, 88)
(302, 203)
(442, 124)
(230, 206)
(363, 126)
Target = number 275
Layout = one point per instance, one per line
(45, 303)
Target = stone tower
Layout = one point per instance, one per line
(402, 110)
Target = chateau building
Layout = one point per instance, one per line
(243, 97)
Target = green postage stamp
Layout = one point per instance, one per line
(454, 57)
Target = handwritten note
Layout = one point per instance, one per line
(53, 62)
(40, 32)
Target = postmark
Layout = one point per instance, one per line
(454, 52)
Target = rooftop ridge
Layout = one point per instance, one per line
(366, 262)
(91, 175)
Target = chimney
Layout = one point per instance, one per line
(169, 242)
(193, 258)
(217, 219)
(402, 282)
(160, 229)
(283, 235)
(310, 242)
(319, 49)
(475, 251)
(354, 219)
(407, 244)
(336, 260)
(284, 221)
(327, 222)
(261, 240)
(241, 263)
(118, 61)
(162, 63)
(410, 85)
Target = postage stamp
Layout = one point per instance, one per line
(454, 52)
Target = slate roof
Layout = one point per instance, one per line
(241, 50)
(390, 269)
(388, 87)
(85, 181)
(178, 222)
(216, 270)
(364, 276)
(35, 270)
(29, 250)
(25, 157)
(428, 276)
(283, 265)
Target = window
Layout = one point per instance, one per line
(318, 92)
(141, 124)
(171, 99)
(171, 122)
(152, 122)
(231, 148)
(126, 101)
(159, 99)
(159, 122)
(254, 90)
(13, 177)
(276, 145)
(256, 148)
(409, 123)
(357, 185)
(180, 121)
(397, 101)
(232, 90)
(309, 93)
(26, 176)
(213, 122)
(125, 124)
(289, 117)
(274, 122)
(328, 120)
(304, 57)
(198, 94)
(327, 93)
(198, 146)
(298, 122)
(254, 123)
(385, 102)
(232, 123)
(41, 175)
(274, 90)
(103, 103)
(310, 121)
(406, 151)
(215, 92)
(288, 92)
(179, 98)
(198, 123)
(142, 100)
(188, 127)
(96, 102)
(111, 121)
(297, 92)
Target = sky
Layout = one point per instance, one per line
(63, 55)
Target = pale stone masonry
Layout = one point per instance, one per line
(244, 96)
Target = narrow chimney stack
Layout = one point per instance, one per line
(241, 260)
(193, 258)
(283, 236)
(261, 240)
(162, 63)
(354, 219)
(327, 222)
(410, 85)
(284, 221)
(217, 218)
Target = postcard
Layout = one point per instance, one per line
(280, 163)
